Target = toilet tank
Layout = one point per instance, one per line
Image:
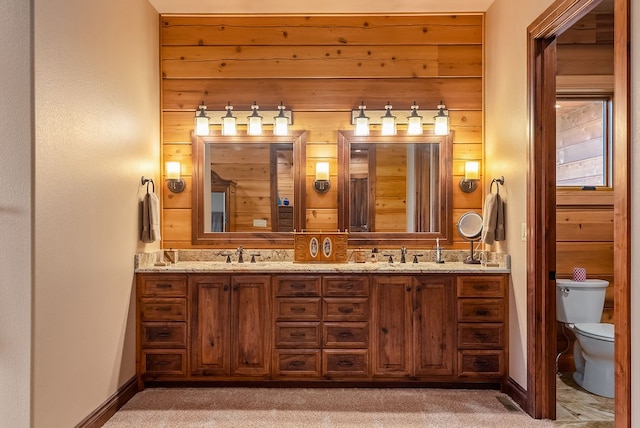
(580, 301)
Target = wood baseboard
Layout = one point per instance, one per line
(517, 393)
(102, 414)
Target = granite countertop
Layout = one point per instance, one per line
(292, 267)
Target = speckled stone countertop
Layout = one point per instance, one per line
(279, 261)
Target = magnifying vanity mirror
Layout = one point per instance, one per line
(247, 190)
(470, 229)
(395, 190)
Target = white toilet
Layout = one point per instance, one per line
(579, 307)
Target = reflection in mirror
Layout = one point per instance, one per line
(247, 190)
(396, 189)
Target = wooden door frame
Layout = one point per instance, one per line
(541, 322)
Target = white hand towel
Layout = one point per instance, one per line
(150, 218)
(490, 218)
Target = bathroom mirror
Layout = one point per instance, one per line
(247, 190)
(470, 229)
(395, 190)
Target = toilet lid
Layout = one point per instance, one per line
(596, 330)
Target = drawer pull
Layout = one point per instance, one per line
(164, 286)
(299, 286)
(225, 288)
(296, 363)
(163, 363)
(345, 363)
(163, 309)
(345, 309)
(297, 335)
(298, 309)
(480, 287)
(346, 286)
(480, 363)
(345, 334)
(482, 312)
(480, 335)
(164, 334)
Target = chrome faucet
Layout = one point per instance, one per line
(403, 254)
(239, 252)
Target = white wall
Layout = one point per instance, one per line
(635, 210)
(96, 133)
(506, 145)
(16, 138)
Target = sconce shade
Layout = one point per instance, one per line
(361, 123)
(472, 170)
(322, 170)
(414, 121)
(441, 121)
(388, 122)
(201, 124)
(229, 122)
(255, 121)
(172, 170)
(281, 122)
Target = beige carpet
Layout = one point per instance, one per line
(320, 407)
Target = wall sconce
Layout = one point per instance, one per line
(229, 121)
(322, 183)
(201, 119)
(254, 126)
(281, 122)
(471, 176)
(388, 122)
(172, 175)
(439, 118)
(441, 121)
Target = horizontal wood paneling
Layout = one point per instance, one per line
(321, 67)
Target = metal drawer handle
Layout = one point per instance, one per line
(298, 309)
(163, 363)
(346, 286)
(297, 335)
(164, 286)
(345, 309)
(296, 363)
(480, 363)
(298, 286)
(482, 312)
(345, 363)
(345, 334)
(480, 335)
(164, 334)
(163, 308)
(480, 287)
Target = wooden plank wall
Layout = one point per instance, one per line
(584, 219)
(321, 67)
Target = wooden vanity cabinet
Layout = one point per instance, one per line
(413, 322)
(230, 326)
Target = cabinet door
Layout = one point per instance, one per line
(434, 321)
(250, 325)
(391, 332)
(210, 353)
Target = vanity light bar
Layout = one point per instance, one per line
(268, 116)
(375, 116)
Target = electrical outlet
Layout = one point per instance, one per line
(523, 231)
(259, 222)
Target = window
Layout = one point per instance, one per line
(583, 142)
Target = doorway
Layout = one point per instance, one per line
(541, 215)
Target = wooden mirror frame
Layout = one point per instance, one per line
(246, 239)
(397, 239)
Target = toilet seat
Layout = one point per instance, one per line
(598, 331)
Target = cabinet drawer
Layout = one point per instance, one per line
(297, 286)
(298, 335)
(354, 309)
(480, 310)
(164, 362)
(481, 286)
(353, 363)
(163, 309)
(163, 285)
(297, 363)
(345, 286)
(480, 363)
(298, 308)
(164, 335)
(345, 335)
(479, 336)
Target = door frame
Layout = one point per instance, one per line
(541, 320)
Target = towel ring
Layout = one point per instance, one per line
(500, 181)
(147, 181)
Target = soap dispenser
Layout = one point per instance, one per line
(438, 251)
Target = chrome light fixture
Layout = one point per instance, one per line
(414, 121)
(254, 121)
(229, 121)
(201, 124)
(175, 183)
(281, 122)
(361, 123)
(469, 182)
(388, 122)
(441, 121)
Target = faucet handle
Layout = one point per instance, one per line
(390, 257)
(228, 257)
(253, 257)
(415, 257)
